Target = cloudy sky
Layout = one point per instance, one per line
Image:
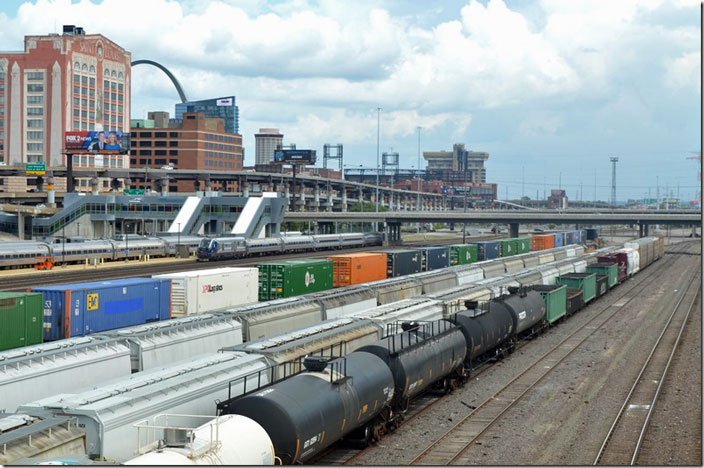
(550, 88)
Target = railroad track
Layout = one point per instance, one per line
(137, 268)
(622, 442)
(449, 449)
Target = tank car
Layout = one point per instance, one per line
(306, 413)
(527, 308)
(421, 355)
(488, 333)
(225, 440)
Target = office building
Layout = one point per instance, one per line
(223, 108)
(194, 142)
(266, 142)
(451, 165)
(69, 82)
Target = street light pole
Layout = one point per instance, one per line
(378, 121)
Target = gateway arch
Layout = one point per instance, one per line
(171, 76)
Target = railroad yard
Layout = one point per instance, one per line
(584, 350)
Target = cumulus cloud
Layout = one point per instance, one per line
(318, 69)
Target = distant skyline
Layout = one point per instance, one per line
(551, 89)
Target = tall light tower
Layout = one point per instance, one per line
(613, 180)
(418, 187)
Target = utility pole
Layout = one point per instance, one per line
(559, 181)
(581, 192)
(657, 192)
(613, 180)
(594, 185)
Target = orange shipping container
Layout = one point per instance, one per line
(357, 268)
(543, 242)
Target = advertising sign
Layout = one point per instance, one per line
(294, 156)
(224, 102)
(96, 142)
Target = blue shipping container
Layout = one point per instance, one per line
(82, 308)
(569, 238)
(578, 237)
(434, 258)
(592, 234)
(486, 250)
(559, 239)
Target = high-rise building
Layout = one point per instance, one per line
(457, 161)
(196, 142)
(223, 108)
(266, 142)
(69, 82)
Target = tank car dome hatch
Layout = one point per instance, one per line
(315, 363)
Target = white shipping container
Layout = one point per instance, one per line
(197, 292)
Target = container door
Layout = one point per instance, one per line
(13, 326)
(33, 319)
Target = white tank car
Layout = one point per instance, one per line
(226, 440)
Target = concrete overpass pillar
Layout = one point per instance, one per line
(20, 225)
(344, 199)
(245, 189)
(329, 198)
(94, 186)
(164, 185)
(513, 230)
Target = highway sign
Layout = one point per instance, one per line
(133, 191)
(35, 169)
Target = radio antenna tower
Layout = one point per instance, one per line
(613, 180)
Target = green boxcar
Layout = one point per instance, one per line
(462, 254)
(507, 247)
(604, 268)
(584, 281)
(523, 245)
(555, 297)
(21, 319)
(293, 278)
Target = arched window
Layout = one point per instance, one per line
(106, 73)
(92, 69)
(120, 76)
(76, 66)
(84, 68)
(114, 75)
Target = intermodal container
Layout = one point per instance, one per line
(584, 281)
(559, 239)
(201, 291)
(357, 268)
(592, 233)
(569, 238)
(434, 258)
(402, 262)
(82, 308)
(463, 254)
(20, 320)
(507, 247)
(555, 297)
(575, 300)
(486, 250)
(293, 278)
(605, 268)
(602, 285)
(620, 258)
(523, 244)
(543, 242)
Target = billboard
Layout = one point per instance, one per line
(96, 142)
(294, 156)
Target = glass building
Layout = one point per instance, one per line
(222, 107)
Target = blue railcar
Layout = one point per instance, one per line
(559, 239)
(486, 250)
(79, 309)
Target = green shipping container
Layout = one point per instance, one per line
(293, 278)
(21, 319)
(462, 254)
(507, 247)
(584, 281)
(523, 245)
(555, 297)
(603, 268)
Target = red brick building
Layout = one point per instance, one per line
(69, 82)
(197, 142)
